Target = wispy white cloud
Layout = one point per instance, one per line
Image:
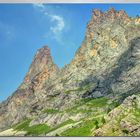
(39, 5)
(59, 26)
(58, 21)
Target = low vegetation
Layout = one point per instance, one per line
(85, 87)
(50, 111)
(34, 130)
(95, 109)
(85, 128)
(40, 129)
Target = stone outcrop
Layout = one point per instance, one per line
(123, 120)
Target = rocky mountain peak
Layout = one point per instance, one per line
(97, 13)
(42, 66)
(111, 10)
(42, 53)
(111, 14)
(102, 28)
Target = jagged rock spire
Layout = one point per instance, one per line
(42, 65)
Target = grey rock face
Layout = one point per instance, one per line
(107, 63)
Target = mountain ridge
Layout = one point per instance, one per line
(105, 67)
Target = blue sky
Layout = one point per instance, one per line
(24, 28)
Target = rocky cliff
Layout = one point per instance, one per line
(76, 98)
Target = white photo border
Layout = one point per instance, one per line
(70, 1)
